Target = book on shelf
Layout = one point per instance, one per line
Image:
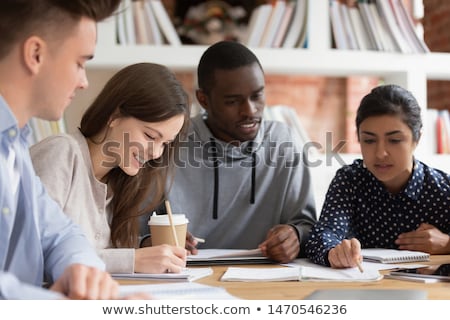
(144, 22)
(258, 19)
(369, 24)
(296, 32)
(337, 26)
(350, 35)
(430, 138)
(129, 22)
(386, 37)
(152, 25)
(443, 132)
(420, 45)
(387, 15)
(393, 255)
(361, 35)
(164, 22)
(406, 27)
(273, 24)
(284, 25)
(140, 24)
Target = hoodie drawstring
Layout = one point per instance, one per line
(216, 179)
(252, 194)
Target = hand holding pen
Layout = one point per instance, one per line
(347, 254)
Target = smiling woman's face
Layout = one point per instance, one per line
(137, 141)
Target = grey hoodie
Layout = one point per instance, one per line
(232, 195)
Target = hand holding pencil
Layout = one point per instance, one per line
(347, 254)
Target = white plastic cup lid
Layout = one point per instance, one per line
(163, 219)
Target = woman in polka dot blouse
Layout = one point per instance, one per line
(389, 199)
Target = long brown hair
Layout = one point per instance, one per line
(148, 92)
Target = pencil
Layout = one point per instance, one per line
(169, 214)
(360, 268)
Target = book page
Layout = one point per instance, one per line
(262, 274)
(314, 272)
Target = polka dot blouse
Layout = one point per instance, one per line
(358, 205)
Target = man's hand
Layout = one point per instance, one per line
(346, 254)
(426, 238)
(83, 282)
(281, 244)
(191, 243)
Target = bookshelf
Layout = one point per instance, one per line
(408, 70)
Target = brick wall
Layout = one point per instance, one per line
(436, 24)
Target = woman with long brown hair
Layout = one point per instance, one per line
(104, 174)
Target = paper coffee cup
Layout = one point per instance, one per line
(161, 230)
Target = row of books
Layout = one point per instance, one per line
(382, 25)
(280, 24)
(439, 131)
(145, 22)
(42, 128)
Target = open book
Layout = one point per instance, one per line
(393, 255)
(300, 273)
(227, 256)
(188, 274)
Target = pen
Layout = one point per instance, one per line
(199, 240)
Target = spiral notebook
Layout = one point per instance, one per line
(393, 255)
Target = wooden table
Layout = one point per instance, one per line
(293, 290)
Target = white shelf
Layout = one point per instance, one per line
(408, 70)
(285, 61)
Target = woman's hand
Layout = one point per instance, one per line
(160, 259)
(346, 254)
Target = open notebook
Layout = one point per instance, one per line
(299, 273)
(393, 255)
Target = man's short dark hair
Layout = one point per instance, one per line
(223, 55)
